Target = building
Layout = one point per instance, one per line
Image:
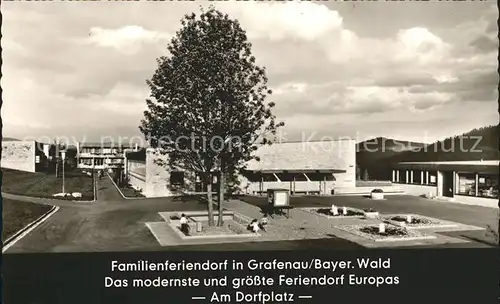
(30, 155)
(315, 167)
(302, 167)
(100, 156)
(472, 182)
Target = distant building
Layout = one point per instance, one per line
(30, 156)
(473, 182)
(102, 155)
(301, 167)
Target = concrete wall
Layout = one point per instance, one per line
(478, 201)
(419, 190)
(325, 155)
(158, 177)
(136, 173)
(19, 155)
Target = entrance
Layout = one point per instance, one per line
(448, 183)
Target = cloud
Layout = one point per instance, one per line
(485, 44)
(276, 22)
(128, 39)
(69, 66)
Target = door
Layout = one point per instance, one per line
(448, 183)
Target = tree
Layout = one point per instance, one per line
(207, 108)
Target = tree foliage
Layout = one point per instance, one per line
(207, 106)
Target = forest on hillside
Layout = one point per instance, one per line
(481, 143)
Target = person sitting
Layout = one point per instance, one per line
(263, 223)
(254, 226)
(184, 224)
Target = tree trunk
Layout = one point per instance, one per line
(208, 180)
(57, 168)
(220, 222)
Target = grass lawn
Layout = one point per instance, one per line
(128, 191)
(42, 184)
(16, 215)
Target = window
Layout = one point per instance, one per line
(488, 185)
(466, 184)
(177, 178)
(402, 176)
(432, 178)
(417, 177)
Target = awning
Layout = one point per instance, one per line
(449, 167)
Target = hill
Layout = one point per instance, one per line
(477, 144)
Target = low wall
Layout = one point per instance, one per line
(367, 190)
(477, 201)
(19, 155)
(419, 190)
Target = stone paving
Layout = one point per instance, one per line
(305, 225)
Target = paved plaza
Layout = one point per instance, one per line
(115, 224)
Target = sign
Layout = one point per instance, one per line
(280, 199)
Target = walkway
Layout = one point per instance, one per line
(109, 224)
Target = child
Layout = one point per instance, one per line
(254, 226)
(263, 223)
(184, 224)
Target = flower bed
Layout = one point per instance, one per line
(228, 228)
(327, 212)
(392, 233)
(416, 221)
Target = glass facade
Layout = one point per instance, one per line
(466, 184)
(432, 178)
(177, 178)
(417, 177)
(402, 176)
(488, 185)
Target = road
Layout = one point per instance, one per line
(113, 223)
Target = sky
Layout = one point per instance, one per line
(410, 71)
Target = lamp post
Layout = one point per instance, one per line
(63, 156)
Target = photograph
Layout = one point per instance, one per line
(150, 126)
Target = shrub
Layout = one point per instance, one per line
(377, 191)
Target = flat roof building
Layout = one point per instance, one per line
(302, 167)
(28, 155)
(102, 155)
(471, 182)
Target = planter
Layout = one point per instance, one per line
(377, 196)
(372, 215)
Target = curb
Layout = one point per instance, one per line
(121, 193)
(28, 228)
